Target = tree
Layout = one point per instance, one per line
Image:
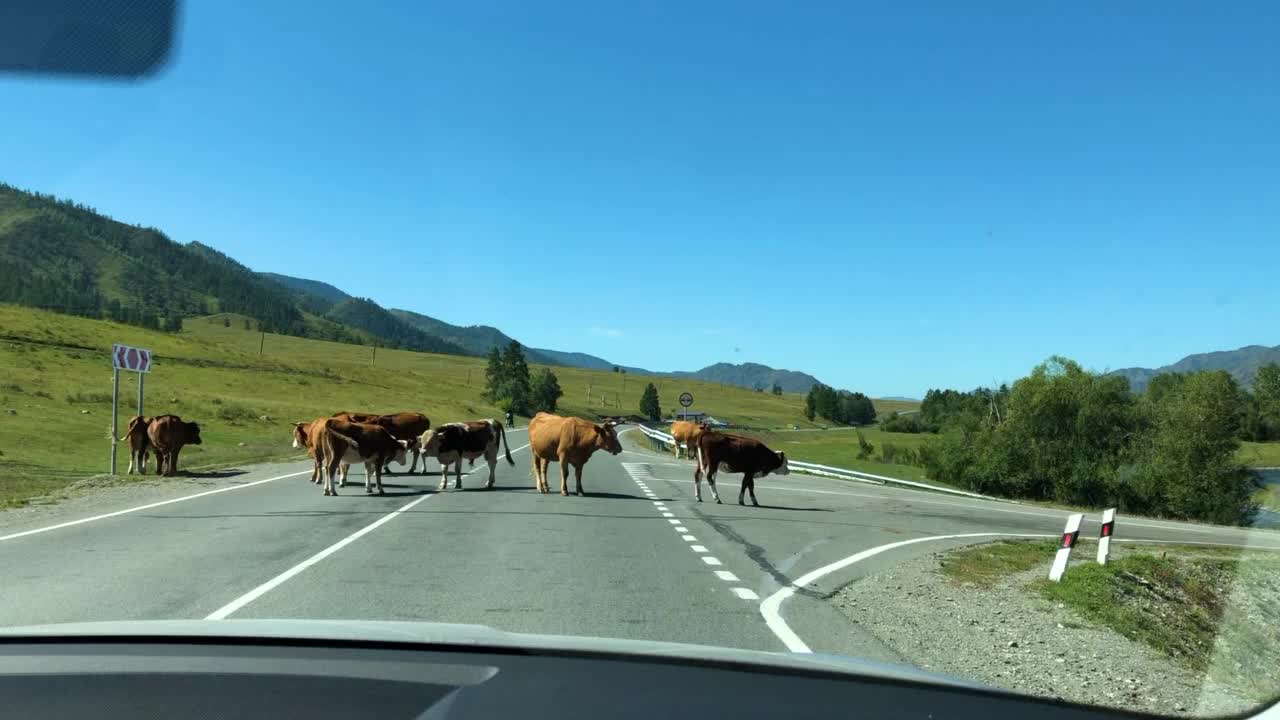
(515, 375)
(777, 389)
(616, 368)
(811, 404)
(226, 322)
(173, 323)
(494, 377)
(247, 324)
(649, 405)
(545, 391)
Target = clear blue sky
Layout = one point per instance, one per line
(889, 195)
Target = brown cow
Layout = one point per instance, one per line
(138, 443)
(402, 426)
(569, 441)
(683, 431)
(304, 437)
(341, 441)
(451, 443)
(735, 454)
(168, 434)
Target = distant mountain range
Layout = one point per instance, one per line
(1242, 364)
(63, 256)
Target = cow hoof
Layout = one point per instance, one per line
(581, 494)
(564, 493)
(380, 491)
(755, 504)
(718, 501)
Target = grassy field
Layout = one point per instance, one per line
(245, 388)
(1260, 454)
(1214, 610)
(839, 448)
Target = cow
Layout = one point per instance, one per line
(138, 443)
(452, 442)
(168, 434)
(402, 426)
(735, 454)
(339, 441)
(304, 437)
(683, 431)
(569, 441)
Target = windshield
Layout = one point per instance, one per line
(931, 334)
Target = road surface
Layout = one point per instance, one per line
(637, 558)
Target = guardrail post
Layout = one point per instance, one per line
(1069, 537)
(1104, 535)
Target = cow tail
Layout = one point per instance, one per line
(503, 433)
(133, 421)
(344, 438)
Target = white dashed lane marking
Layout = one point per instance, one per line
(639, 472)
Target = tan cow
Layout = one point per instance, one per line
(168, 434)
(340, 441)
(683, 431)
(452, 443)
(138, 443)
(568, 441)
(305, 437)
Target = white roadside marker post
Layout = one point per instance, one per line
(1104, 537)
(1069, 536)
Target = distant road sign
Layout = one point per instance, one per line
(124, 357)
(686, 399)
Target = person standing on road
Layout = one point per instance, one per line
(511, 419)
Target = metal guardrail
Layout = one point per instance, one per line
(834, 472)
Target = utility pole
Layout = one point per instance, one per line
(468, 377)
(262, 341)
(375, 355)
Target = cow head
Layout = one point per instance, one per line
(782, 465)
(402, 449)
(300, 439)
(429, 443)
(607, 438)
(193, 433)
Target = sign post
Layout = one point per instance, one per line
(1069, 537)
(136, 360)
(686, 399)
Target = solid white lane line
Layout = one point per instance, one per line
(772, 606)
(148, 506)
(710, 560)
(726, 576)
(266, 587)
(745, 594)
(688, 538)
(698, 548)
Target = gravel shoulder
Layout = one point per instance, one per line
(1011, 638)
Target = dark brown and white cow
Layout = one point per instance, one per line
(401, 425)
(139, 443)
(305, 437)
(340, 441)
(569, 441)
(452, 443)
(718, 452)
(168, 434)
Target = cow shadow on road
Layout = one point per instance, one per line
(763, 506)
(213, 474)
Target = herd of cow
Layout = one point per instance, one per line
(336, 442)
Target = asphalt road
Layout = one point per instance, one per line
(636, 558)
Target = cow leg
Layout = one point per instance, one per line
(564, 477)
(328, 472)
(751, 489)
(345, 467)
(370, 468)
(711, 483)
(444, 475)
(457, 475)
(577, 479)
(540, 473)
(413, 466)
(493, 468)
(697, 482)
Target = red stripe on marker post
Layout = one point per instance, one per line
(1104, 538)
(1069, 537)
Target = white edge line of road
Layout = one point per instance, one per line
(226, 610)
(223, 612)
(148, 506)
(771, 608)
